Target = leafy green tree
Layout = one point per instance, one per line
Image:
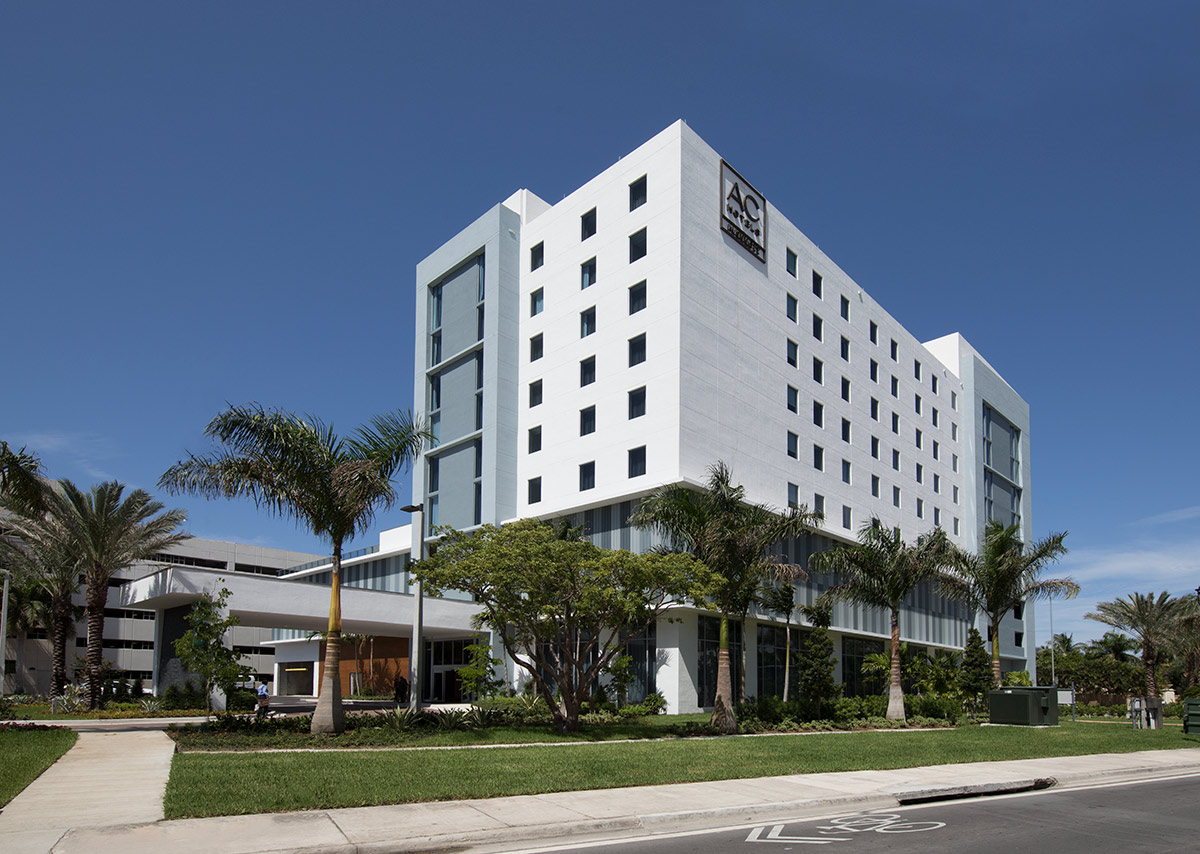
(563, 609)
(781, 600)
(202, 650)
(734, 540)
(1151, 620)
(879, 572)
(815, 663)
(478, 676)
(298, 467)
(975, 670)
(1004, 574)
(620, 674)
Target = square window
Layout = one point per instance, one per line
(895, 423)
(637, 461)
(587, 371)
(845, 348)
(537, 256)
(587, 476)
(818, 327)
(793, 308)
(587, 322)
(793, 353)
(637, 297)
(535, 347)
(637, 350)
(793, 399)
(791, 263)
(874, 332)
(933, 383)
(918, 437)
(895, 351)
(587, 421)
(637, 245)
(817, 286)
(535, 439)
(637, 193)
(587, 273)
(818, 370)
(895, 459)
(845, 308)
(845, 430)
(895, 496)
(793, 495)
(895, 387)
(920, 508)
(845, 471)
(874, 371)
(818, 413)
(875, 447)
(637, 403)
(535, 490)
(875, 486)
(917, 403)
(845, 389)
(920, 473)
(916, 369)
(819, 504)
(818, 458)
(587, 224)
(793, 445)
(874, 409)
(536, 303)
(535, 393)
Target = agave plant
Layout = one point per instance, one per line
(151, 704)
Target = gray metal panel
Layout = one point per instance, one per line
(458, 399)
(460, 295)
(456, 495)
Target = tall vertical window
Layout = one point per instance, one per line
(845, 471)
(845, 389)
(817, 284)
(875, 486)
(845, 430)
(845, 308)
(895, 351)
(818, 413)
(895, 423)
(536, 302)
(535, 439)
(874, 409)
(933, 383)
(895, 387)
(587, 371)
(793, 399)
(895, 496)
(637, 193)
(791, 263)
(875, 447)
(793, 353)
(793, 306)
(847, 519)
(587, 322)
(587, 420)
(874, 371)
(535, 393)
(637, 350)
(954, 400)
(535, 490)
(587, 476)
(793, 445)
(637, 402)
(818, 458)
(920, 473)
(920, 508)
(819, 504)
(587, 224)
(793, 495)
(637, 461)
(637, 297)
(917, 404)
(537, 256)
(874, 332)
(919, 437)
(818, 374)
(535, 347)
(933, 415)
(895, 459)
(845, 349)
(818, 327)
(637, 245)
(916, 369)
(587, 273)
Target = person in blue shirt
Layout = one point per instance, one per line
(264, 701)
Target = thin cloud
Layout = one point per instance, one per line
(1183, 514)
(65, 452)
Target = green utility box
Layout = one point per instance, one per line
(1026, 706)
(1191, 715)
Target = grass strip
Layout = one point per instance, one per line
(234, 784)
(24, 754)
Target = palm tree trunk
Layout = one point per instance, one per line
(723, 716)
(329, 716)
(1149, 659)
(997, 681)
(97, 596)
(60, 614)
(895, 708)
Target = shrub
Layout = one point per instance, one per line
(138, 688)
(241, 700)
(654, 704)
(847, 708)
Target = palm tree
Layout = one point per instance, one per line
(1151, 620)
(781, 600)
(879, 572)
(298, 467)
(1114, 645)
(731, 537)
(1064, 643)
(20, 478)
(107, 531)
(1004, 574)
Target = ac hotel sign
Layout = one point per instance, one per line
(743, 212)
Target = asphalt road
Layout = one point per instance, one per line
(1160, 817)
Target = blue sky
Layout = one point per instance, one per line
(224, 202)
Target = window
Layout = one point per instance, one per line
(933, 383)
(956, 526)
(917, 403)
(845, 389)
(954, 462)
(793, 445)
(818, 370)
(895, 459)
(895, 351)
(874, 371)
(535, 490)
(1018, 611)
(637, 403)
(937, 483)
(875, 447)
(537, 256)
(953, 431)
(637, 461)
(587, 476)
(916, 369)
(845, 348)
(535, 303)
(637, 297)
(895, 387)
(535, 439)
(874, 409)
(587, 322)
(818, 413)
(937, 517)
(816, 279)
(818, 327)
(847, 521)
(535, 392)
(845, 430)
(793, 399)
(845, 471)
(874, 332)
(954, 400)
(845, 308)
(875, 485)
(793, 499)
(918, 437)
(637, 245)
(819, 504)
(954, 494)
(637, 193)
(818, 458)
(637, 350)
(793, 353)
(920, 473)
(587, 421)
(587, 273)
(895, 496)
(933, 413)
(937, 449)
(920, 508)
(791, 263)
(895, 423)
(793, 307)
(587, 224)
(587, 371)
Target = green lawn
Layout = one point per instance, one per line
(24, 754)
(229, 784)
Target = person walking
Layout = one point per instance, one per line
(264, 702)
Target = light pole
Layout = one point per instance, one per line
(416, 652)
(1053, 676)
(4, 631)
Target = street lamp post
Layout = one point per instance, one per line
(416, 653)
(4, 631)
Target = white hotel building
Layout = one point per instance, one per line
(573, 357)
